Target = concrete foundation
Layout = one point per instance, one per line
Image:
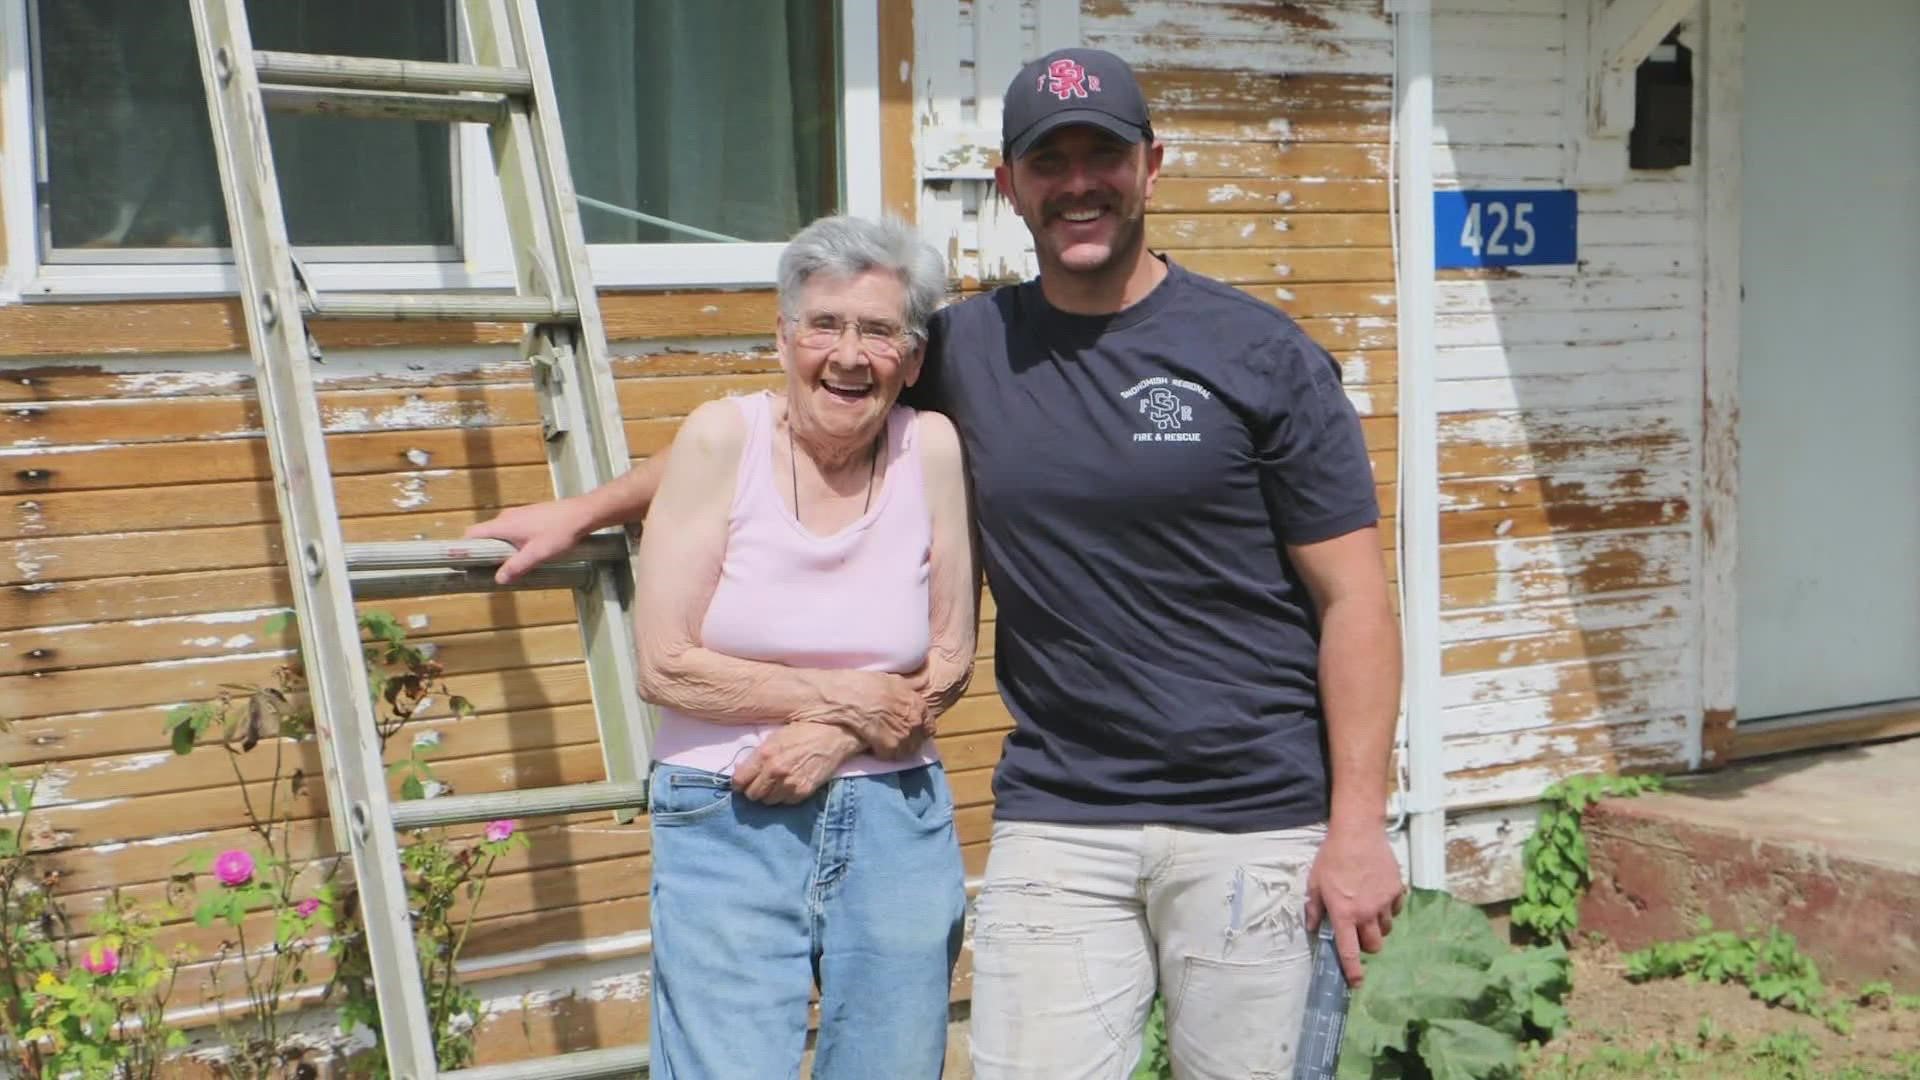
(1824, 845)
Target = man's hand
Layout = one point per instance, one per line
(884, 711)
(538, 532)
(793, 762)
(1355, 882)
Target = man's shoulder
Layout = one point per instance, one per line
(992, 309)
(1229, 309)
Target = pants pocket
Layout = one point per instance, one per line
(678, 795)
(1238, 1019)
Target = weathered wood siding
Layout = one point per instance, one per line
(1569, 430)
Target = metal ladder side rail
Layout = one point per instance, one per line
(329, 630)
(530, 156)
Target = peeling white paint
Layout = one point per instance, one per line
(1225, 193)
(237, 641)
(418, 458)
(180, 383)
(416, 621)
(136, 762)
(152, 841)
(32, 564)
(210, 617)
(906, 70)
(1247, 230)
(412, 492)
(202, 642)
(32, 518)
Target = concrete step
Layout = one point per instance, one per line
(1825, 845)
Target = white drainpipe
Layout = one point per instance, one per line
(1425, 796)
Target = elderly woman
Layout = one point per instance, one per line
(805, 608)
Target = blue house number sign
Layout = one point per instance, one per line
(1505, 228)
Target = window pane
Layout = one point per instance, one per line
(721, 116)
(129, 156)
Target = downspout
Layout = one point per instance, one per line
(1424, 800)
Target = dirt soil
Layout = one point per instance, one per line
(1611, 1014)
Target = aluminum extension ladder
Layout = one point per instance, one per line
(510, 88)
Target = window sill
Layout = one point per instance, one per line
(78, 282)
(614, 267)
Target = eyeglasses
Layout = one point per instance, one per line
(877, 340)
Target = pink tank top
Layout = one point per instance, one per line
(855, 599)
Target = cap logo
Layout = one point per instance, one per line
(1065, 79)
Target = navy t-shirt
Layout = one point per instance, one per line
(1136, 477)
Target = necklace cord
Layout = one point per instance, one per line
(793, 470)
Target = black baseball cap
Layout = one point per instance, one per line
(1072, 86)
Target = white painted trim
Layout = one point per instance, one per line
(1720, 180)
(16, 150)
(1425, 800)
(860, 74)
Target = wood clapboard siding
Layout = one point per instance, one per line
(1570, 403)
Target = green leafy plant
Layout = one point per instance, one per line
(99, 1013)
(1447, 998)
(307, 913)
(1883, 995)
(1772, 968)
(445, 883)
(105, 1017)
(1154, 1063)
(1555, 857)
(264, 966)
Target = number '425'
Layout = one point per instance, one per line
(1506, 230)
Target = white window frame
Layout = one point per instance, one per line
(485, 261)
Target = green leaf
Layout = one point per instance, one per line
(182, 738)
(412, 788)
(279, 622)
(1463, 1050)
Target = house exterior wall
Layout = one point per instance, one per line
(1570, 448)
(139, 561)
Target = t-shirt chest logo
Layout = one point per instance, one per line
(1166, 404)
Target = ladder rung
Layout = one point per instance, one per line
(385, 104)
(529, 802)
(474, 308)
(371, 73)
(585, 1065)
(469, 554)
(394, 584)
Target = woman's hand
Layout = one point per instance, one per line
(794, 761)
(883, 710)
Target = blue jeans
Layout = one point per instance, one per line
(858, 890)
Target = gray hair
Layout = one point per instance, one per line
(846, 246)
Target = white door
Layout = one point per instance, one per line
(1829, 537)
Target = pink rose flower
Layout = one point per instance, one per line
(101, 959)
(307, 907)
(233, 867)
(499, 830)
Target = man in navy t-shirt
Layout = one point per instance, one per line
(1194, 635)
